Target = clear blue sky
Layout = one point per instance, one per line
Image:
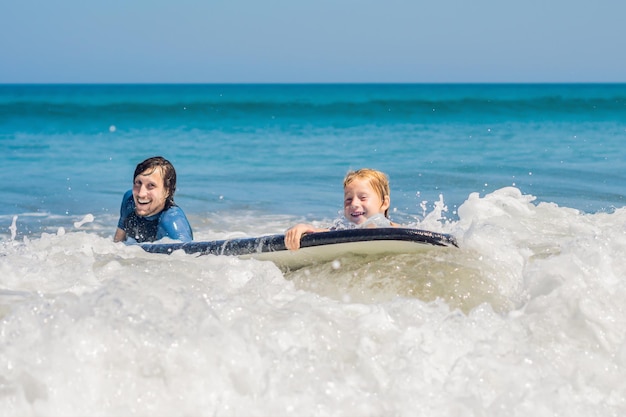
(215, 41)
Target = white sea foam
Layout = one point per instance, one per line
(525, 318)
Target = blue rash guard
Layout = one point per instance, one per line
(171, 223)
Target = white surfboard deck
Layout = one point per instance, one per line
(331, 252)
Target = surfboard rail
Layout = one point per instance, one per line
(276, 243)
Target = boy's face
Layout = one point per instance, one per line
(149, 192)
(360, 201)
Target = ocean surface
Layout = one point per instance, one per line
(526, 317)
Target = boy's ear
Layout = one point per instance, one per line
(386, 203)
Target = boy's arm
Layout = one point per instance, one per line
(295, 233)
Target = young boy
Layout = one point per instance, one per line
(366, 203)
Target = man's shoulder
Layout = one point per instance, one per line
(128, 195)
(172, 212)
(128, 204)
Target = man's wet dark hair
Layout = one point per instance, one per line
(168, 172)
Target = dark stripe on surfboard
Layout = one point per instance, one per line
(275, 243)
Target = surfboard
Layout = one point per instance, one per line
(315, 247)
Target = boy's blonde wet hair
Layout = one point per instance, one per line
(377, 179)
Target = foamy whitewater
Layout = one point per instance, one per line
(526, 317)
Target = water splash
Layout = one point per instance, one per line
(13, 228)
(89, 218)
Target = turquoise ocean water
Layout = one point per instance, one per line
(525, 317)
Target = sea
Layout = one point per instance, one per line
(526, 317)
